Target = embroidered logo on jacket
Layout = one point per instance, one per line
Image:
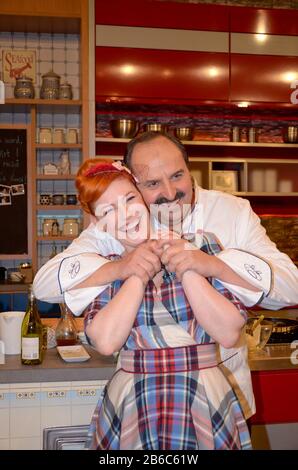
(74, 269)
(250, 268)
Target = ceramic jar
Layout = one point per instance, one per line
(24, 88)
(71, 227)
(50, 86)
(65, 91)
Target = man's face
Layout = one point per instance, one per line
(163, 177)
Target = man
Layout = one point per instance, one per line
(249, 265)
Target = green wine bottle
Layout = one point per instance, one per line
(32, 333)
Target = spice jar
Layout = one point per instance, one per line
(71, 227)
(24, 88)
(50, 86)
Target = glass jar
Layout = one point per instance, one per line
(65, 91)
(71, 227)
(47, 227)
(50, 86)
(24, 88)
(66, 332)
(45, 135)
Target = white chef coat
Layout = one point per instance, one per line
(246, 249)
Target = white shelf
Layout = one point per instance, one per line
(211, 143)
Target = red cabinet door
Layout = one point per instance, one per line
(262, 77)
(162, 75)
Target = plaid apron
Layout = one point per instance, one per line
(168, 392)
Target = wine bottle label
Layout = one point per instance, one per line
(30, 348)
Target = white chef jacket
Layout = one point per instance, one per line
(246, 249)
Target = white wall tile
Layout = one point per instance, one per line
(4, 444)
(59, 55)
(46, 40)
(71, 68)
(4, 423)
(25, 443)
(25, 422)
(81, 414)
(45, 65)
(60, 69)
(73, 55)
(55, 416)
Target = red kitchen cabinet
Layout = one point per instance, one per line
(262, 78)
(131, 74)
(276, 396)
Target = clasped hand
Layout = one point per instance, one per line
(175, 254)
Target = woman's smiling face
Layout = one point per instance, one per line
(121, 212)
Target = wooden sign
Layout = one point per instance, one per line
(17, 63)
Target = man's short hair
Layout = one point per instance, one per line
(148, 137)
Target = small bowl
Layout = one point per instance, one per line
(184, 133)
(45, 199)
(155, 127)
(71, 199)
(124, 128)
(58, 199)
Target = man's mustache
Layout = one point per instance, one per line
(163, 200)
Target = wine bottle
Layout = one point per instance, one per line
(32, 333)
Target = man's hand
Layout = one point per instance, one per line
(142, 262)
(180, 256)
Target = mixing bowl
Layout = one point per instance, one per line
(184, 133)
(124, 128)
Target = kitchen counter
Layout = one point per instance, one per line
(54, 369)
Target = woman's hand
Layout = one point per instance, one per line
(142, 262)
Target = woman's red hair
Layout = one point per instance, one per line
(90, 188)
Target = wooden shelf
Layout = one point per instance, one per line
(58, 146)
(12, 287)
(53, 239)
(55, 177)
(39, 101)
(62, 207)
(263, 194)
(210, 143)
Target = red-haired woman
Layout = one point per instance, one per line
(168, 391)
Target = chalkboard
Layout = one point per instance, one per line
(13, 192)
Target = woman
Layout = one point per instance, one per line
(168, 391)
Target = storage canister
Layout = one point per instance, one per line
(71, 227)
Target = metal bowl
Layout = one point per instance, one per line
(156, 127)
(290, 134)
(124, 128)
(184, 133)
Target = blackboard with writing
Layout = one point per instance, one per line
(13, 192)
